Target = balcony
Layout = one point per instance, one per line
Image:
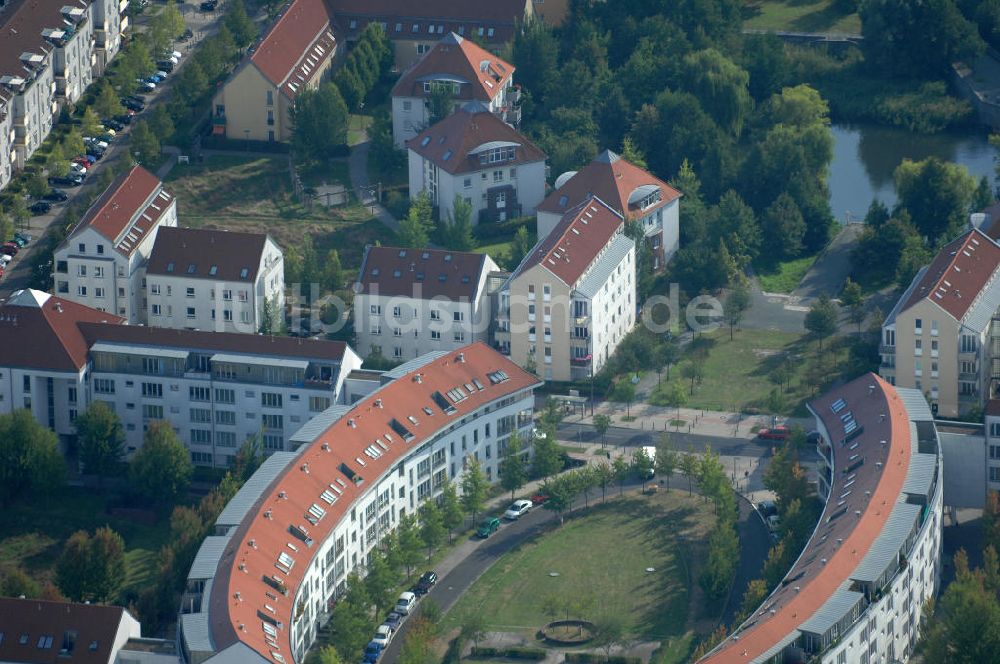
(886, 350)
(582, 320)
(581, 361)
(971, 377)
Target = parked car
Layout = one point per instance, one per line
(19, 242)
(372, 652)
(4, 259)
(56, 196)
(131, 104)
(10, 248)
(405, 603)
(394, 620)
(91, 141)
(113, 124)
(108, 137)
(775, 433)
(77, 169)
(165, 65)
(539, 499)
(767, 508)
(773, 522)
(383, 635)
(40, 207)
(125, 118)
(70, 180)
(488, 526)
(146, 86)
(186, 35)
(517, 509)
(209, 5)
(22, 238)
(175, 54)
(162, 74)
(425, 583)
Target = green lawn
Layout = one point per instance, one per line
(737, 375)
(254, 194)
(785, 276)
(600, 560)
(32, 535)
(799, 16)
(357, 126)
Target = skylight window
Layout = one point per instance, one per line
(497, 377)
(402, 253)
(426, 140)
(244, 273)
(374, 271)
(442, 403)
(191, 268)
(447, 155)
(397, 274)
(400, 429)
(213, 270)
(170, 266)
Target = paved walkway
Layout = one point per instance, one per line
(357, 165)
(831, 268)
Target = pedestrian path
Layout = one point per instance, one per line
(645, 417)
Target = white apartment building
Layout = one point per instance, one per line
(939, 337)
(216, 280)
(474, 154)
(858, 589)
(102, 262)
(572, 299)
(215, 388)
(286, 542)
(409, 302)
(632, 192)
(50, 52)
(470, 72)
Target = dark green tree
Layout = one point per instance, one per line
(242, 28)
(513, 467)
(737, 304)
(162, 469)
(432, 530)
(937, 195)
(821, 319)
(101, 439)
(451, 508)
(30, 461)
(783, 228)
(144, 144)
(474, 486)
(320, 119)
(414, 230)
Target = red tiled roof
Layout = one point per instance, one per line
(229, 342)
(453, 57)
(130, 197)
(877, 408)
(92, 624)
(448, 144)
(579, 237)
(229, 252)
(41, 331)
(320, 466)
(421, 273)
(459, 16)
(958, 274)
(613, 180)
(296, 46)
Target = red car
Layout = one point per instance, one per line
(775, 433)
(539, 498)
(10, 248)
(83, 161)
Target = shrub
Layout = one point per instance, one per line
(510, 653)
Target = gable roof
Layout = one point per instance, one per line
(330, 461)
(575, 242)
(40, 331)
(454, 144)
(214, 254)
(958, 274)
(21, 26)
(94, 626)
(127, 210)
(296, 46)
(421, 273)
(615, 181)
(494, 21)
(454, 59)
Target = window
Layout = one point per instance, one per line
(397, 352)
(201, 437)
(190, 291)
(223, 395)
(227, 315)
(153, 390)
(435, 314)
(498, 176)
(460, 336)
(63, 286)
(104, 386)
(396, 332)
(467, 183)
(407, 105)
(82, 247)
(317, 404)
(397, 311)
(199, 394)
(81, 291)
(201, 415)
(99, 271)
(375, 309)
(995, 429)
(458, 316)
(270, 399)
(435, 335)
(201, 457)
(154, 289)
(190, 312)
(156, 310)
(918, 325)
(270, 98)
(226, 417)
(152, 412)
(994, 474)
(225, 439)
(227, 295)
(62, 267)
(272, 421)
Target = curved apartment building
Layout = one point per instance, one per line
(856, 592)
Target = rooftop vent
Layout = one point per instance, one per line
(351, 423)
(460, 358)
(282, 495)
(378, 403)
(305, 468)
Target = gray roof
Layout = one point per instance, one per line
(206, 562)
(197, 635)
(132, 349)
(840, 604)
(241, 504)
(238, 653)
(981, 313)
(916, 404)
(785, 641)
(920, 475)
(605, 264)
(311, 430)
(899, 526)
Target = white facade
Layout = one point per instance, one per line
(8, 156)
(496, 192)
(180, 301)
(411, 115)
(35, 109)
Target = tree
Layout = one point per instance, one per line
(350, 623)
(688, 464)
(243, 29)
(602, 423)
(320, 120)
(965, 628)
(107, 104)
(604, 475)
(666, 458)
(324, 655)
(144, 143)
(936, 194)
(432, 529)
(753, 597)
(513, 467)
(643, 466)
(783, 228)
(101, 438)
(561, 492)
(632, 154)
(161, 123)
(30, 461)
(473, 627)
(414, 230)
(991, 520)
(36, 185)
(721, 86)
(621, 469)
(737, 304)
(248, 458)
(609, 631)
(624, 391)
(380, 581)
(410, 543)
(519, 247)
(92, 568)
(161, 471)
(547, 459)
(451, 508)
(455, 229)
(333, 272)
(473, 487)
(821, 319)
(853, 298)
(693, 372)
(536, 56)
(440, 103)
(723, 558)
(19, 211)
(56, 163)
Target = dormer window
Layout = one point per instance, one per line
(496, 155)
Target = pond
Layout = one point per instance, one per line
(865, 156)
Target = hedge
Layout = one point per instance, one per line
(595, 658)
(510, 653)
(504, 229)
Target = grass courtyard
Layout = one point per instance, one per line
(800, 16)
(785, 276)
(253, 193)
(32, 535)
(600, 558)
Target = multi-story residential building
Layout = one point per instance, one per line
(294, 55)
(939, 337)
(215, 388)
(471, 74)
(414, 27)
(222, 281)
(102, 262)
(572, 299)
(991, 429)
(633, 192)
(475, 155)
(409, 302)
(286, 542)
(857, 592)
(49, 53)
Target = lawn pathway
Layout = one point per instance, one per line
(358, 167)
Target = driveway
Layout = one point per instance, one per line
(831, 269)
